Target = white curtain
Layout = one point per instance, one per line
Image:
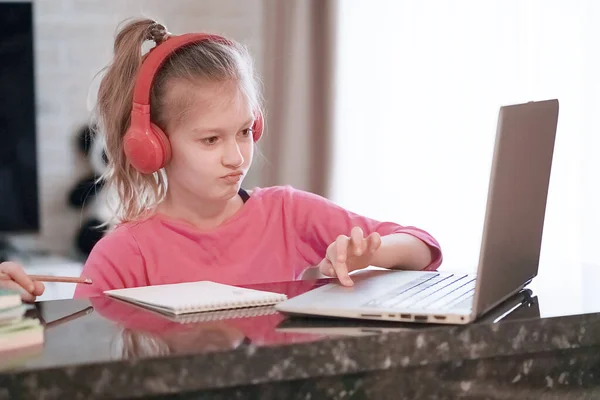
(419, 85)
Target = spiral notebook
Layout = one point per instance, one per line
(195, 297)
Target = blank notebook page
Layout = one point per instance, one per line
(192, 297)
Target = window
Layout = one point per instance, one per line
(419, 86)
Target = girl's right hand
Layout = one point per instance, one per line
(12, 276)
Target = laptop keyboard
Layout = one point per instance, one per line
(430, 292)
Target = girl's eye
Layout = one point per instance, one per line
(247, 132)
(210, 140)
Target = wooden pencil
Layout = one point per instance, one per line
(64, 279)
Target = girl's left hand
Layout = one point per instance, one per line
(347, 254)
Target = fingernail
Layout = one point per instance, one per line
(30, 288)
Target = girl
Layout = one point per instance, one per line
(202, 225)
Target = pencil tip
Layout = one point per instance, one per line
(88, 281)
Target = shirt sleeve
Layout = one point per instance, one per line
(318, 222)
(115, 262)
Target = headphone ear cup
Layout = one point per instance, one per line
(257, 128)
(165, 145)
(148, 150)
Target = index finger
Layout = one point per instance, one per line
(341, 249)
(341, 269)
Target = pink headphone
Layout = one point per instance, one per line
(146, 146)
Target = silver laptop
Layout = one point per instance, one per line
(510, 247)
(523, 305)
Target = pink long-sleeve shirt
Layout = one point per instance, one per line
(276, 236)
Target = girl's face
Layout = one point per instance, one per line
(212, 146)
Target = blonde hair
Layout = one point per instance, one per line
(201, 62)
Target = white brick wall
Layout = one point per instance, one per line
(73, 41)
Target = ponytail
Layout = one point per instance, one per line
(113, 114)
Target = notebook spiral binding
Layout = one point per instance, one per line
(191, 308)
(235, 313)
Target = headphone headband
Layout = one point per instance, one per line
(156, 58)
(145, 145)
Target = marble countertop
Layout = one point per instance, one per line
(102, 348)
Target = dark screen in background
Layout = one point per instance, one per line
(18, 162)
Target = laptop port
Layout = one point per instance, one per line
(371, 315)
(420, 317)
(392, 315)
(439, 316)
(405, 316)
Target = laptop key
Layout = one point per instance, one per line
(411, 292)
(430, 293)
(451, 296)
(378, 301)
(465, 301)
